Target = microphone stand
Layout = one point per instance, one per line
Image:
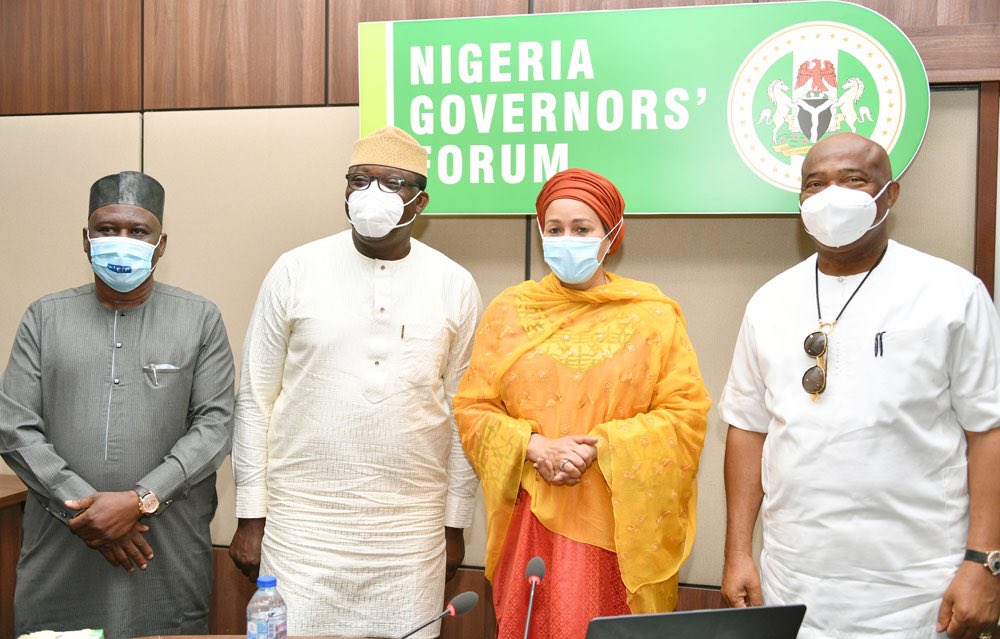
(531, 603)
(421, 627)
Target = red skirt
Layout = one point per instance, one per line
(581, 581)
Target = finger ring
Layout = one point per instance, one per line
(985, 635)
(563, 463)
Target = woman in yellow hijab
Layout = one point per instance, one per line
(583, 411)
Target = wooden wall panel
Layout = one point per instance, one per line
(957, 54)
(233, 53)
(987, 143)
(68, 56)
(959, 40)
(559, 6)
(480, 622)
(12, 496)
(231, 592)
(346, 14)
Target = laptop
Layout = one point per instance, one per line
(762, 622)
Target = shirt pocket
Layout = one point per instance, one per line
(911, 362)
(161, 376)
(423, 355)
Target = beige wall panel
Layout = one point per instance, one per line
(936, 210)
(243, 187)
(46, 184)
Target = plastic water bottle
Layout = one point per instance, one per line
(267, 615)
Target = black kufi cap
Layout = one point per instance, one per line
(128, 187)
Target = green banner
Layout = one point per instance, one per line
(688, 110)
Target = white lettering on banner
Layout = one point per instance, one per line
(548, 165)
(577, 113)
(579, 61)
(529, 55)
(446, 64)
(512, 172)
(543, 107)
(483, 113)
(480, 164)
(422, 115)
(470, 64)
(643, 109)
(421, 65)
(452, 114)
(609, 108)
(512, 109)
(528, 58)
(499, 59)
(547, 160)
(449, 154)
(673, 101)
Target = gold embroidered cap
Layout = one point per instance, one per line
(391, 147)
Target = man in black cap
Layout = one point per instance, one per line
(115, 410)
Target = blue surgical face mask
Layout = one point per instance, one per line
(121, 262)
(574, 260)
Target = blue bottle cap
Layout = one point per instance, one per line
(267, 581)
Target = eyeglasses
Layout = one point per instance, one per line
(815, 345)
(387, 183)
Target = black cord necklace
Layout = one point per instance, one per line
(827, 327)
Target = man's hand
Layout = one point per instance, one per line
(562, 461)
(971, 603)
(129, 551)
(454, 544)
(244, 549)
(741, 582)
(104, 517)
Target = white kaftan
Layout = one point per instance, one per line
(345, 439)
(866, 505)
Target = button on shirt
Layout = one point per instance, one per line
(865, 509)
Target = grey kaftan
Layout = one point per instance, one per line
(84, 409)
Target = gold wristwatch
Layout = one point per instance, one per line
(149, 503)
(989, 560)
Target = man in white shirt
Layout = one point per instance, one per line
(351, 484)
(871, 449)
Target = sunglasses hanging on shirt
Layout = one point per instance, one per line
(817, 343)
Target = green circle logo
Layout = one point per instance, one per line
(808, 81)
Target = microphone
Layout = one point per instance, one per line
(535, 573)
(459, 605)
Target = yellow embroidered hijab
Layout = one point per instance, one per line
(614, 362)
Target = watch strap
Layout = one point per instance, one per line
(976, 556)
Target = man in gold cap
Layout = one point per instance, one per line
(115, 410)
(351, 484)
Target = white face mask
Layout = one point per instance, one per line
(375, 213)
(837, 216)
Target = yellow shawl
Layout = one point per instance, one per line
(614, 362)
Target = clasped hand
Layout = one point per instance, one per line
(562, 461)
(109, 523)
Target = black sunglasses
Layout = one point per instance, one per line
(815, 345)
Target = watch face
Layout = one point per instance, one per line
(993, 562)
(150, 503)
